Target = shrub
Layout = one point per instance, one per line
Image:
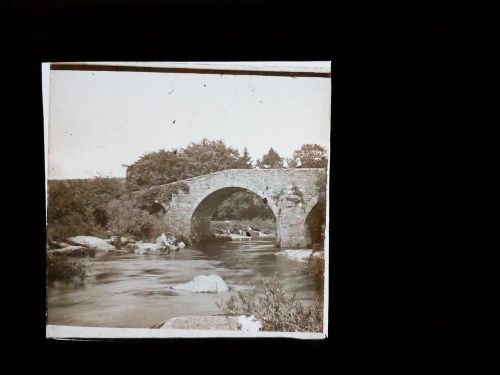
(276, 309)
(78, 207)
(127, 220)
(63, 268)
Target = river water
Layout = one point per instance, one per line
(133, 291)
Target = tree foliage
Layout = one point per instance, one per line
(245, 161)
(163, 167)
(270, 160)
(311, 156)
(78, 207)
(125, 219)
(243, 205)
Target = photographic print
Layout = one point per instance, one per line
(187, 199)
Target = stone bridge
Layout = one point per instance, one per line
(292, 195)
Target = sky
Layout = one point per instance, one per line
(98, 122)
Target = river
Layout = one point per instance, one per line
(133, 291)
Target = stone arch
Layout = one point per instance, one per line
(206, 206)
(315, 222)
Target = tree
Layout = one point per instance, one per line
(311, 156)
(245, 161)
(242, 205)
(271, 159)
(154, 168)
(208, 157)
(163, 167)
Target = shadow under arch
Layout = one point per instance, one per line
(202, 215)
(315, 224)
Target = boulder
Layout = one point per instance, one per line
(146, 248)
(249, 324)
(130, 247)
(266, 235)
(171, 247)
(162, 239)
(118, 241)
(91, 242)
(57, 245)
(74, 251)
(204, 284)
(221, 323)
(300, 255)
(181, 245)
(165, 239)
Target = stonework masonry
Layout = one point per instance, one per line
(290, 193)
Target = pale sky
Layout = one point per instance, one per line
(99, 121)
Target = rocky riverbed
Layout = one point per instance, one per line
(88, 246)
(129, 289)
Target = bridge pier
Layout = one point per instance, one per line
(292, 232)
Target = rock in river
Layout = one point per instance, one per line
(221, 323)
(229, 323)
(249, 323)
(204, 284)
(91, 242)
(172, 247)
(146, 248)
(300, 255)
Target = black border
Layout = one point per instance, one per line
(388, 294)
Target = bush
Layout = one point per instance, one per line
(78, 207)
(63, 268)
(276, 309)
(127, 220)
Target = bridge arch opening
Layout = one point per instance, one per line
(228, 205)
(315, 225)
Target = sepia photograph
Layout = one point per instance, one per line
(187, 199)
